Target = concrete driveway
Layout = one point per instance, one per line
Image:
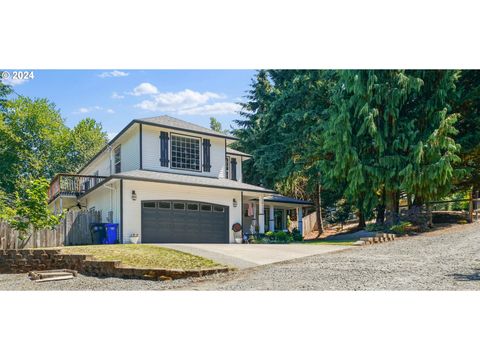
(244, 256)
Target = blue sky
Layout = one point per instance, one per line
(115, 97)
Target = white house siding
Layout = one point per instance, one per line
(151, 152)
(105, 199)
(130, 150)
(160, 191)
(101, 164)
(130, 155)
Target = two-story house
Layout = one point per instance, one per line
(171, 181)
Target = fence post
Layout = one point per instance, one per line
(430, 216)
(470, 208)
(476, 206)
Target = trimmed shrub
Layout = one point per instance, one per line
(401, 228)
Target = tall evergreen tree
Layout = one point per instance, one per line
(285, 132)
(390, 131)
(254, 109)
(433, 151)
(465, 103)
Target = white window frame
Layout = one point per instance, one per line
(227, 167)
(197, 139)
(119, 162)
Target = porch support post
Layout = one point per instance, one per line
(254, 220)
(261, 215)
(299, 219)
(271, 219)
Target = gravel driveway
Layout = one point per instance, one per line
(447, 259)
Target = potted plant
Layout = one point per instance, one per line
(134, 238)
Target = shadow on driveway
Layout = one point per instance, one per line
(467, 277)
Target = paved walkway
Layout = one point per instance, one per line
(244, 256)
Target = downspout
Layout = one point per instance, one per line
(110, 148)
(121, 211)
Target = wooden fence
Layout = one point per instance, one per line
(73, 230)
(309, 223)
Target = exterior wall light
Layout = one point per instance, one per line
(134, 195)
(235, 203)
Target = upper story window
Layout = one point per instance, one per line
(185, 153)
(117, 160)
(227, 167)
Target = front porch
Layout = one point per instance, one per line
(273, 213)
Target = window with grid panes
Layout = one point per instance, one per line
(185, 153)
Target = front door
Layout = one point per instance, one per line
(278, 216)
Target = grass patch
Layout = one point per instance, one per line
(143, 256)
(330, 242)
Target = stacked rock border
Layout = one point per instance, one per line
(378, 238)
(24, 261)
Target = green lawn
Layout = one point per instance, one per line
(143, 256)
(330, 242)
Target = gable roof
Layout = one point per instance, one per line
(163, 121)
(177, 124)
(236, 152)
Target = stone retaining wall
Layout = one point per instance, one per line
(379, 238)
(23, 261)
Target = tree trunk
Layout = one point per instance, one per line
(418, 201)
(361, 220)
(392, 207)
(470, 207)
(318, 209)
(380, 220)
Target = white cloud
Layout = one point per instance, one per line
(114, 73)
(86, 110)
(144, 89)
(14, 82)
(115, 95)
(212, 109)
(178, 101)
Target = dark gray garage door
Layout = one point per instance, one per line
(184, 222)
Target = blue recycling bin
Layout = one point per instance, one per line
(111, 233)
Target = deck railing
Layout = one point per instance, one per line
(72, 184)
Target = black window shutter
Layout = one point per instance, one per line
(233, 165)
(164, 148)
(206, 155)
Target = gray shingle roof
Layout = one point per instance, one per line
(286, 199)
(236, 152)
(173, 123)
(165, 177)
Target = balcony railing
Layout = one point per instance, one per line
(72, 185)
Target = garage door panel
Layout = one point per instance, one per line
(176, 221)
